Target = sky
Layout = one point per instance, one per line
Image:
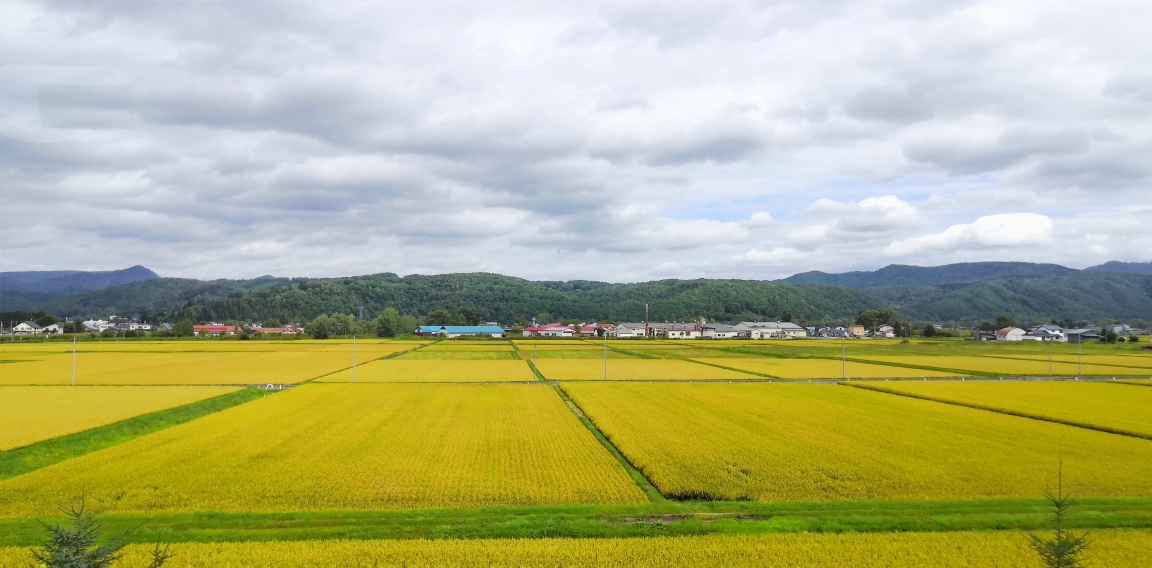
(618, 141)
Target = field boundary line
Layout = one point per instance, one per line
(1054, 360)
(638, 477)
(635, 353)
(1009, 412)
(757, 373)
(358, 364)
(44, 453)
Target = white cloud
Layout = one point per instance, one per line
(1005, 231)
(551, 140)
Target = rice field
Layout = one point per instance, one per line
(1112, 549)
(183, 368)
(819, 368)
(1101, 405)
(469, 346)
(399, 370)
(633, 370)
(1006, 366)
(33, 414)
(826, 442)
(459, 355)
(373, 346)
(323, 447)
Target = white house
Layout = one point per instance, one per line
(771, 329)
(679, 331)
(27, 328)
(52, 329)
(97, 325)
(630, 330)
(719, 331)
(553, 330)
(1010, 334)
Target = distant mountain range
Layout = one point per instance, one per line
(955, 292)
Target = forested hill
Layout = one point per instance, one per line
(149, 298)
(504, 298)
(905, 275)
(31, 290)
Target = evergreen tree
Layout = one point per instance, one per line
(1063, 548)
(76, 546)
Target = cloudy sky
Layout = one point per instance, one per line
(615, 140)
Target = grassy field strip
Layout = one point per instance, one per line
(477, 346)
(713, 363)
(1114, 549)
(820, 442)
(33, 414)
(401, 370)
(48, 452)
(610, 521)
(1119, 361)
(324, 447)
(642, 482)
(1101, 409)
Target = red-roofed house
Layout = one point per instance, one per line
(214, 329)
(1010, 334)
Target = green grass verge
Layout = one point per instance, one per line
(603, 521)
(43, 454)
(1085, 425)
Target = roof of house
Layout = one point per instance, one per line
(555, 326)
(229, 328)
(770, 325)
(1007, 330)
(461, 329)
(32, 325)
(721, 327)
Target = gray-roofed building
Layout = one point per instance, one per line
(772, 329)
(719, 331)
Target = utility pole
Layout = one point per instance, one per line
(1080, 354)
(843, 357)
(1049, 358)
(353, 358)
(605, 356)
(645, 321)
(73, 361)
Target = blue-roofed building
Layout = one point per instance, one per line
(451, 331)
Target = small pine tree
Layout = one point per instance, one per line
(76, 546)
(1063, 548)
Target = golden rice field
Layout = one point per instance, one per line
(1103, 405)
(575, 354)
(558, 345)
(399, 370)
(34, 414)
(1141, 363)
(476, 346)
(827, 442)
(324, 447)
(819, 368)
(1111, 549)
(632, 370)
(1003, 366)
(464, 355)
(373, 346)
(190, 368)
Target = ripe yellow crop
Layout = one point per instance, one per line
(371, 345)
(463, 346)
(820, 368)
(1004, 366)
(323, 447)
(633, 370)
(827, 442)
(1103, 405)
(1113, 549)
(32, 414)
(188, 368)
(436, 371)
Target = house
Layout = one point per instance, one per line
(630, 330)
(164, 327)
(1045, 333)
(132, 326)
(27, 328)
(772, 329)
(719, 331)
(452, 331)
(280, 330)
(214, 329)
(679, 331)
(550, 330)
(1117, 328)
(53, 329)
(1082, 334)
(1010, 334)
(827, 332)
(984, 333)
(857, 331)
(96, 326)
(885, 331)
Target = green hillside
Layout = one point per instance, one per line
(504, 298)
(152, 296)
